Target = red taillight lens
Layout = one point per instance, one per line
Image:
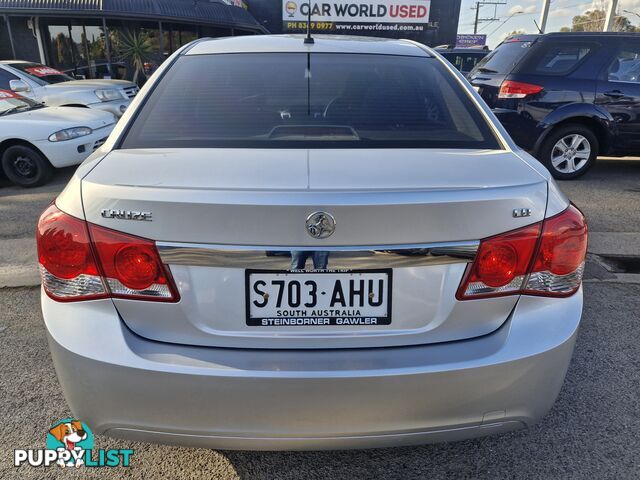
(80, 261)
(67, 265)
(137, 267)
(501, 264)
(542, 259)
(497, 266)
(511, 89)
(564, 243)
(559, 263)
(131, 265)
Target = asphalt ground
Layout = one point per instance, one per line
(593, 431)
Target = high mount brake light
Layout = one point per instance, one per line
(511, 89)
(81, 261)
(546, 258)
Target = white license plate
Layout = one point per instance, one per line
(281, 299)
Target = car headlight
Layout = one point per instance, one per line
(70, 134)
(109, 94)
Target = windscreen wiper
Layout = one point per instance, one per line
(11, 110)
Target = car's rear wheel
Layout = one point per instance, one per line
(25, 166)
(569, 151)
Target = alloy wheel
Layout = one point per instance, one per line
(571, 153)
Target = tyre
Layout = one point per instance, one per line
(569, 151)
(25, 166)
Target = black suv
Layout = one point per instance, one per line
(566, 97)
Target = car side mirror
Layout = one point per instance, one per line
(19, 86)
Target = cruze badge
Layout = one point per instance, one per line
(320, 225)
(126, 214)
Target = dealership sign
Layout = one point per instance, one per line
(354, 14)
(471, 40)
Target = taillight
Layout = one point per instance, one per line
(67, 266)
(546, 258)
(559, 263)
(511, 89)
(80, 261)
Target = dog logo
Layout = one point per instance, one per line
(70, 443)
(71, 435)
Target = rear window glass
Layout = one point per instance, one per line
(503, 58)
(290, 100)
(463, 61)
(556, 58)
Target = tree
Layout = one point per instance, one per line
(593, 20)
(136, 49)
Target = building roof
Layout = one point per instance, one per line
(196, 11)
(295, 43)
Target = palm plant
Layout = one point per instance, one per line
(136, 49)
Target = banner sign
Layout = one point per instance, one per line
(42, 71)
(470, 40)
(356, 15)
(8, 94)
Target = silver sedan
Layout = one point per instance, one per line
(295, 245)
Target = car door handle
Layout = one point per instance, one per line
(614, 94)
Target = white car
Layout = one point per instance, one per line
(333, 245)
(35, 139)
(54, 88)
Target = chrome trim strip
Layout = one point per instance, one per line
(341, 257)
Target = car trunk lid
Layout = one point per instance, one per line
(404, 214)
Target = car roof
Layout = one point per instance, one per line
(14, 62)
(480, 50)
(528, 37)
(592, 34)
(295, 43)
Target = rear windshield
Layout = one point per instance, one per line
(503, 58)
(299, 100)
(464, 61)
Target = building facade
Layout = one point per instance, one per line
(96, 38)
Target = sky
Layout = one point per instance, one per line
(560, 14)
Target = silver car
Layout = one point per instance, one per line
(294, 245)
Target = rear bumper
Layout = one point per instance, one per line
(128, 387)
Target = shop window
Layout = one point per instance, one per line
(77, 48)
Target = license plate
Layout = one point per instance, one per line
(343, 298)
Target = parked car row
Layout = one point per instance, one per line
(54, 88)
(50, 120)
(566, 97)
